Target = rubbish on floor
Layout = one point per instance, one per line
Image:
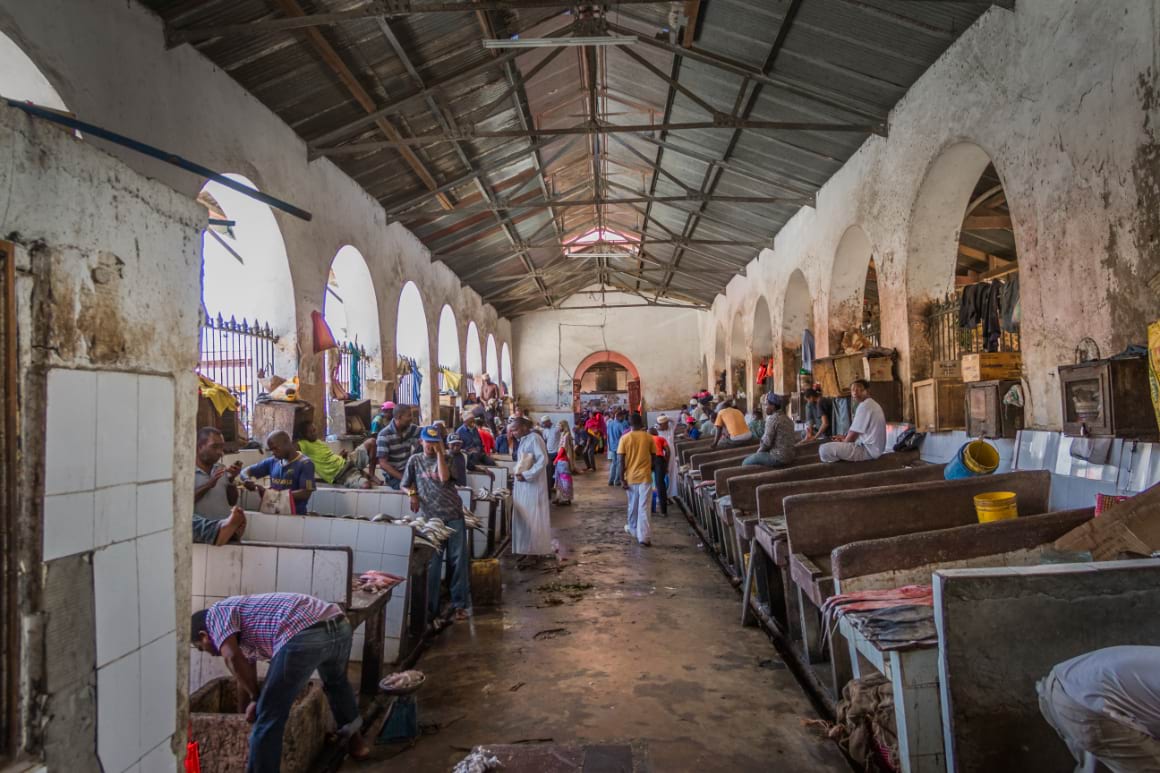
(402, 682)
(480, 760)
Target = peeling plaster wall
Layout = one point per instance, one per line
(661, 342)
(107, 296)
(179, 101)
(1062, 97)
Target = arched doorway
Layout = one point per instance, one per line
(249, 330)
(447, 350)
(351, 309)
(22, 80)
(412, 343)
(473, 366)
(854, 302)
(797, 316)
(718, 378)
(491, 364)
(962, 240)
(738, 354)
(606, 380)
(505, 368)
(762, 345)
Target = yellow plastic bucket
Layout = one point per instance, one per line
(996, 506)
(980, 457)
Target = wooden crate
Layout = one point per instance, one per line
(1108, 398)
(938, 404)
(992, 366)
(878, 368)
(827, 375)
(947, 369)
(987, 416)
(888, 394)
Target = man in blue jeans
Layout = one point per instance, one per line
(617, 428)
(427, 478)
(297, 634)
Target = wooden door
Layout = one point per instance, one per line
(634, 394)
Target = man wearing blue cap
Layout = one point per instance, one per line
(427, 478)
(778, 445)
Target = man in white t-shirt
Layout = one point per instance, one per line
(866, 439)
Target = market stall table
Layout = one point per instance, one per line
(370, 608)
(913, 673)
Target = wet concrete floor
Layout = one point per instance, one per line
(617, 643)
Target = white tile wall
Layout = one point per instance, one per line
(158, 687)
(116, 447)
(68, 524)
(294, 571)
(70, 432)
(155, 583)
(119, 712)
(116, 606)
(109, 489)
(155, 421)
(259, 570)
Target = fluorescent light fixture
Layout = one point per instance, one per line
(601, 255)
(601, 40)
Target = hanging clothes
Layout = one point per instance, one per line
(451, 379)
(1009, 305)
(990, 320)
(807, 351)
(323, 338)
(971, 306)
(355, 380)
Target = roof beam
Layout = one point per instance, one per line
(376, 8)
(335, 62)
(726, 122)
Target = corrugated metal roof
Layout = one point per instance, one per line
(833, 62)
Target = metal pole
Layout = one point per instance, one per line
(157, 153)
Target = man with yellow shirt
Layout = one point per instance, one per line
(345, 470)
(635, 454)
(732, 430)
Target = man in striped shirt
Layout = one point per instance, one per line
(296, 634)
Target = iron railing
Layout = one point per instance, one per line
(872, 332)
(346, 351)
(948, 341)
(237, 355)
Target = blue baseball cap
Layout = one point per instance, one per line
(773, 399)
(454, 438)
(430, 434)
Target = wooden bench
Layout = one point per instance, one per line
(743, 488)
(774, 588)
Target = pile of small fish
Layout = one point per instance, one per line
(374, 581)
(401, 681)
(479, 761)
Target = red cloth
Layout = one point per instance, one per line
(562, 454)
(323, 338)
(488, 440)
(661, 443)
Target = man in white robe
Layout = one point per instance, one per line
(666, 430)
(531, 524)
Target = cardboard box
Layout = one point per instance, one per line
(947, 369)
(992, 366)
(878, 368)
(1132, 526)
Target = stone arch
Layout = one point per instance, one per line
(797, 315)
(23, 80)
(351, 306)
(933, 243)
(719, 363)
(413, 340)
(738, 357)
(600, 358)
(246, 269)
(762, 341)
(472, 357)
(848, 281)
(448, 349)
(505, 367)
(491, 359)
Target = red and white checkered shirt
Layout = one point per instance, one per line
(266, 621)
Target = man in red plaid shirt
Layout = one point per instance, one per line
(297, 634)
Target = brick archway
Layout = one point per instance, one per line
(598, 358)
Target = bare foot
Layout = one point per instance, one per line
(234, 526)
(462, 615)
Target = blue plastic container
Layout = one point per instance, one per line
(985, 460)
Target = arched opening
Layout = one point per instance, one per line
(854, 302)
(738, 352)
(249, 331)
(491, 364)
(22, 80)
(797, 316)
(718, 377)
(762, 348)
(505, 368)
(605, 381)
(447, 352)
(962, 245)
(412, 345)
(351, 309)
(473, 368)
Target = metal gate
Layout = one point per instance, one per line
(237, 355)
